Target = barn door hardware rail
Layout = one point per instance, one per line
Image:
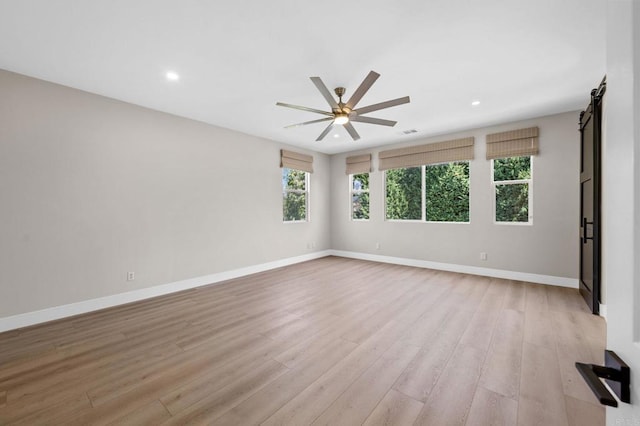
(617, 375)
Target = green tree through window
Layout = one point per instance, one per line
(447, 192)
(404, 193)
(512, 178)
(295, 195)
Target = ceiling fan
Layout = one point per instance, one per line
(345, 113)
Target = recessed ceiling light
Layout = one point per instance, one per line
(475, 103)
(172, 76)
(336, 135)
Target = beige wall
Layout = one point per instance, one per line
(548, 247)
(92, 188)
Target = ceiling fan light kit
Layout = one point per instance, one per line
(341, 118)
(345, 113)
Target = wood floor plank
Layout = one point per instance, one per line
(490, 408)
(568, 329)
(421, 375)
(574, 344)
(219, 375)
(541, 398)
(432, 321)
(72, 404)
(18, 352)
(19, 366)
(451, 399)
(572, 382)
(151, 414)
(297, 356)
(480, 330)
(310, 403)
(594, 327)
(175, 377)
(515, 296)
(84, 372)
(332, 340)
(535, 297)
(269, 399)
(538, 329)
(128, 380)
(394, 409)
(565, 299)
(216, 404)
(582, 413)
(502, 368)
(360, 399)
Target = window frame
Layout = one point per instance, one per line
(529, 182)
(306, 192)
(423, 191)
(353, 192)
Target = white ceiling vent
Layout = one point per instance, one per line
(408, 132)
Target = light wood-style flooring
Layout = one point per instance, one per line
(328, 342)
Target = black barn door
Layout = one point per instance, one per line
(590, 135)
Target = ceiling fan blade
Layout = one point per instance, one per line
(382, 105)
(325, 92)
(320, 120)
(371, 120)
(325, 132)
(362, 89)
(354, 135)
(304, 108)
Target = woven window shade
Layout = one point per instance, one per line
(294, 160)
(515, 143)
(359, 164)
(440, 152)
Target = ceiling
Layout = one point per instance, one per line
(236, 59)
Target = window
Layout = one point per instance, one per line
(447, 192)
(433, 193)
(404, 193)
(295, 195)
(512, 189)
(359, 194)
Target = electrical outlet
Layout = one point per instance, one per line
(483, 256)
(131, 276)
(377, 246)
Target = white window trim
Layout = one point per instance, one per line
(353, 192)
(424, 197)
(423, 191)
(307, 198)
(513, 182)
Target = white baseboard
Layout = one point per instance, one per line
(63, 311)
(603, 311)
(58, 312)
(474, 270)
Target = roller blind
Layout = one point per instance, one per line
(440, 152)
(295, 160)
(359, 164)
(514, 143)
